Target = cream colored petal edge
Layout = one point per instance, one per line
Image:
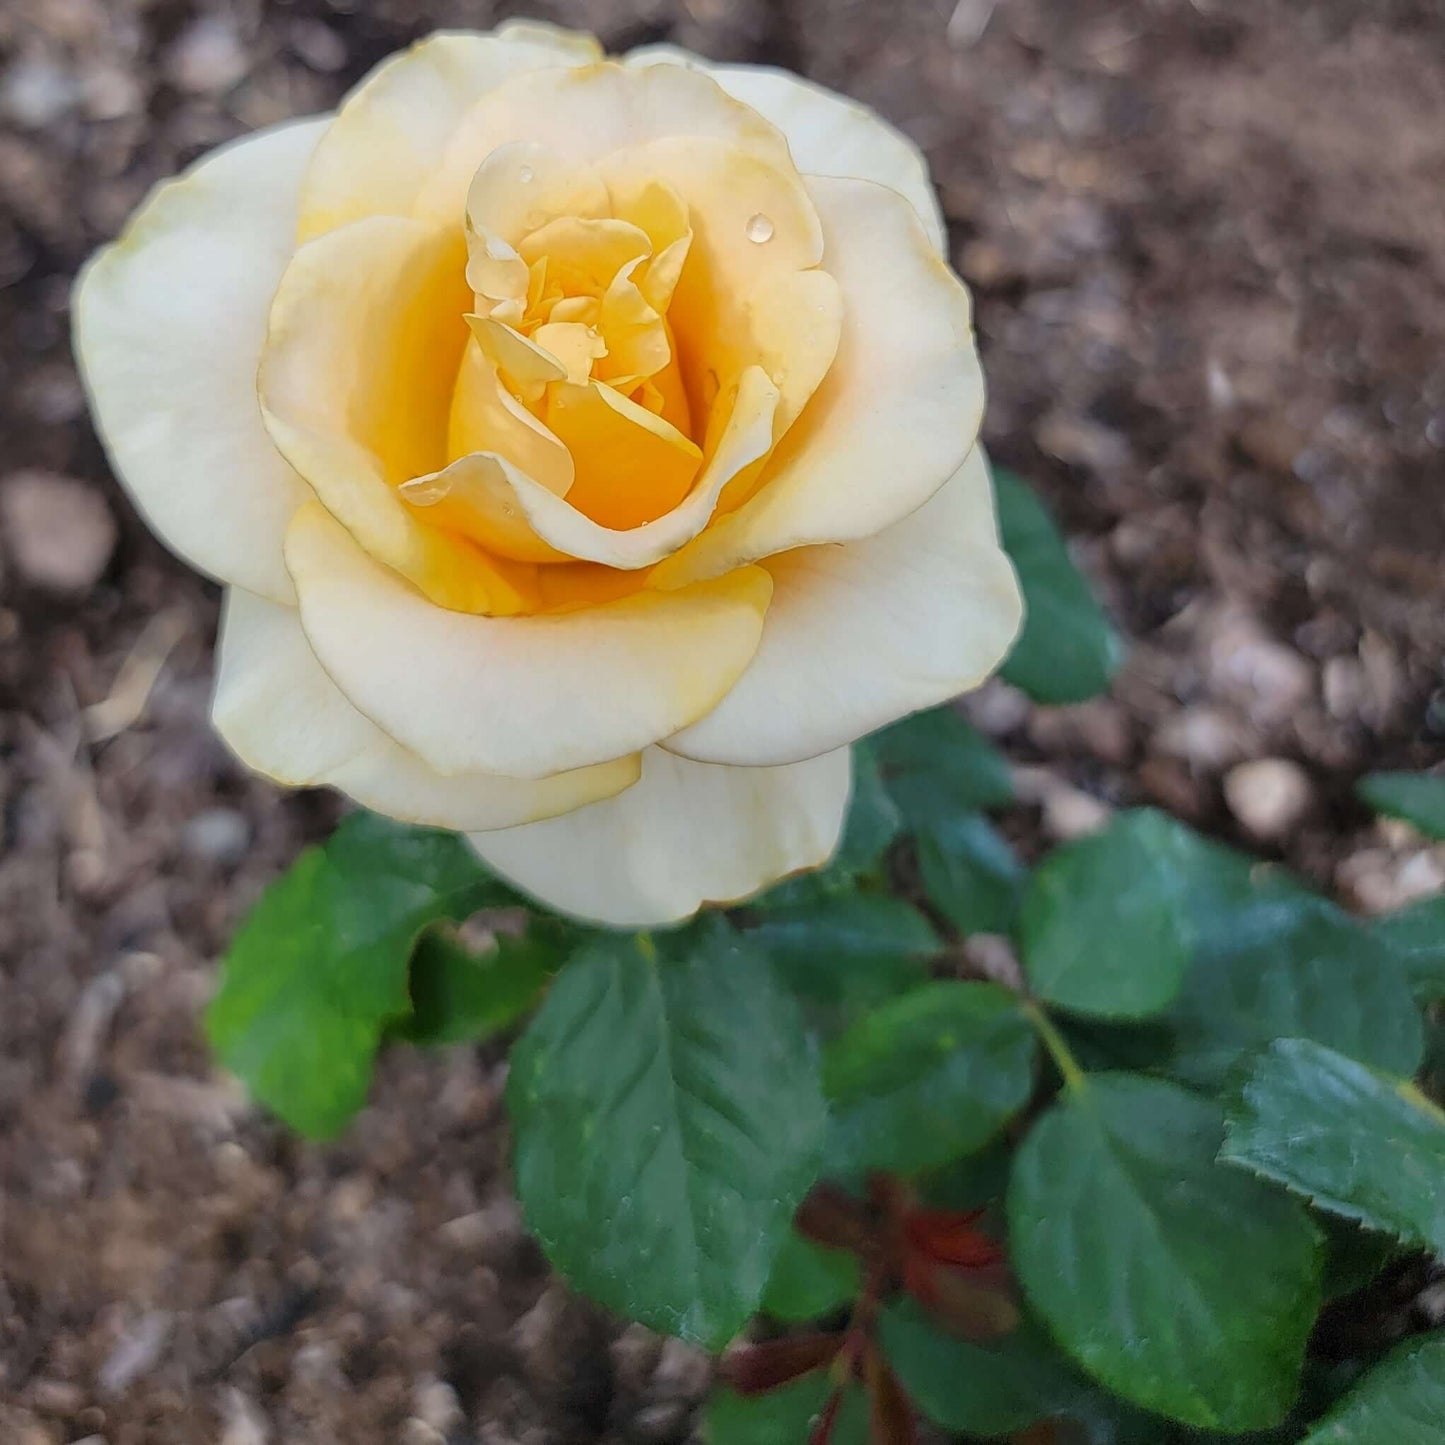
(686, 835)
(282, 715)
(169, 324)
(828, 134)
(396, 123)
(895, 416)
(860, 635)
(522, 696)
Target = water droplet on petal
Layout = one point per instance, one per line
(525, 174)
(760, 229)
(426, 491)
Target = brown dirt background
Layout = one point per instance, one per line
(1208, 245)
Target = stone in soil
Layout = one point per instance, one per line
(59, 533)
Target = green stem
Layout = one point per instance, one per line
(1075, 1079)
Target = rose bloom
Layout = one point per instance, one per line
(588, 448)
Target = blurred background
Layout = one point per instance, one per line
(1207, 241)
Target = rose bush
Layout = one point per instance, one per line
(589, 450)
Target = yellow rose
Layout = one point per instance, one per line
(588, 448)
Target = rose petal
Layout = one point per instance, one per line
(395, 124)
(895, 416)
(585, 114)
(524, 696)
(356, 383)
(631, 465)
(283, 716)
(169, 323)
(860, 635)
(687, 834)
(828, 134)
(502, 505)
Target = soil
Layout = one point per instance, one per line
(1208, 246)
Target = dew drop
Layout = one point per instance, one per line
(426, 491)
(760, 229)
(525, 174)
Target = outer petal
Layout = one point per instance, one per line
(283, 716)
(169, 322)
(686, 835)
(397, 122)
(586, 114)
(895, 416)
(857, 636)
(828, 134)
(525, 696)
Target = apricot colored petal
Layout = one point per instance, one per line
(356, 383)
(631, 465)
(512, 512)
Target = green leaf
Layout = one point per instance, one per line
(1292, 967)
(857, 948)
(459, 995)
(809, 1280)
(1067, 651)
(1360, 1143)
(1106, 927)
(1354, 1255)
(873, 817)
(1417, 936)
(1418, 798)
(668, 1120)
(927, 1078)
(970, 874)
(782, 1417)
(1185, 1287)
(320, 966)
(1400, 1402)
(977, 1389)
(936, 766)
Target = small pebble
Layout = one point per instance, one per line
(436, 1404)
(207, 57)
(1269, 796)
(55, 1397)
(58, 532)
(318, 45)
(997, 708)
(1208, 738)
(682, 1372)
(217, 835)
(35, 93)
(1071, 813)
(243, 1421)
(137, 1352)
(661, 1423)
(1271, 681)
